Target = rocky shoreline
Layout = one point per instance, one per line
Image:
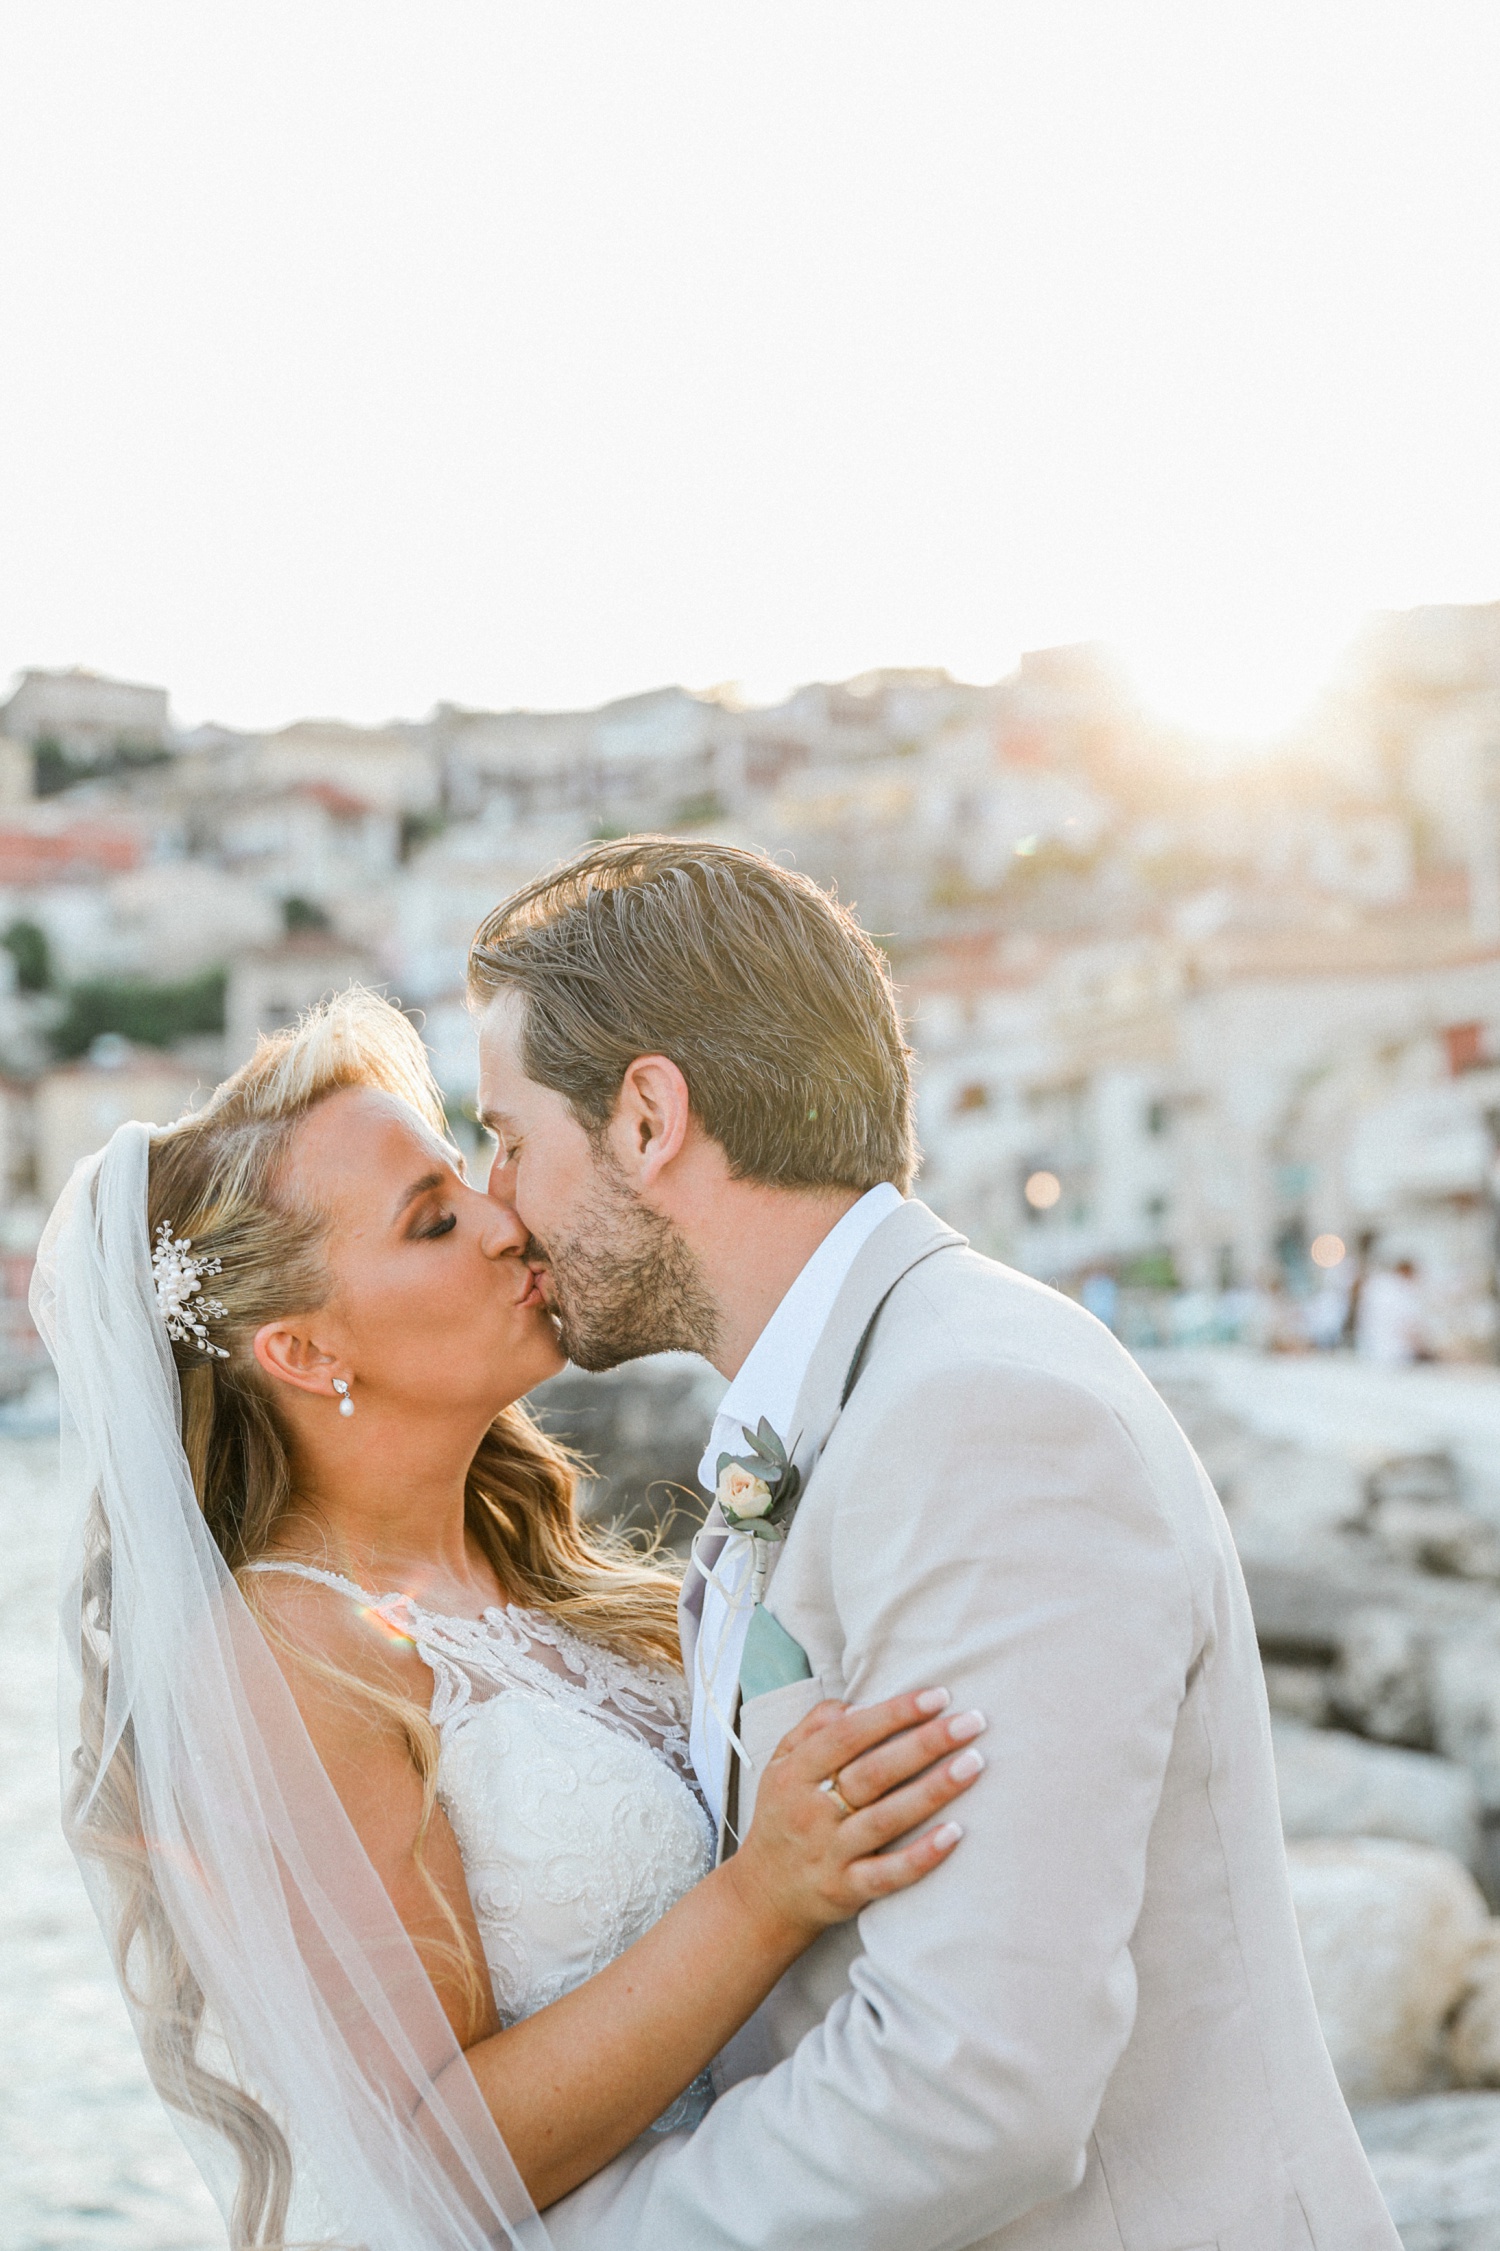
(1369, 1533)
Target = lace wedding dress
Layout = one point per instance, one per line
(564, 1771)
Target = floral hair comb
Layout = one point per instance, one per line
(179, 1278)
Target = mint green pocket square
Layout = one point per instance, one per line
(771, 1658)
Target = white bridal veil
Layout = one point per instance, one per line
(281, 2007)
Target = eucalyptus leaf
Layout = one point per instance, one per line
(742, 1461)
(767, 1442)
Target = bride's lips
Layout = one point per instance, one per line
(533, 1298)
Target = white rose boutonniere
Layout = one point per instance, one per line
(757, 1491)
(743, 1496)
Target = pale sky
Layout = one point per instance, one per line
(355, 354)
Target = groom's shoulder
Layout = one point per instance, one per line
(969, 1303)
(994, 1361)
(961, 1316)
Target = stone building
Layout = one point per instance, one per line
(269, 986)
(77, 1106)
(85, 714)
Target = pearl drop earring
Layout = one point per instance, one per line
(346, 1404)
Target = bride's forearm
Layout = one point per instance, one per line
(573, 2085)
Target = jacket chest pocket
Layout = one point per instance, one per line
(763, 1722)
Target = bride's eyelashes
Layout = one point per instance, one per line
(443, 1226)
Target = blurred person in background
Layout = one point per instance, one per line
(1390, 1323)
(1282, 1317)
(1327, 1311)
(1099, 1294)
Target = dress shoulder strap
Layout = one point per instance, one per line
(332, 1579)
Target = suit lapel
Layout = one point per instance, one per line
(898, 1244)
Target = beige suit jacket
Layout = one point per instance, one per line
(1091, 2030)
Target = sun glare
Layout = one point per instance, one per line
(1242, 686)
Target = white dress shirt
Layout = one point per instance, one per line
(767, 1385)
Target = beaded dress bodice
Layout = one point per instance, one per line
(564, 1771)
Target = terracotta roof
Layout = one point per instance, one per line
(83, 849)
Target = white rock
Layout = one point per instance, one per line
(1381, 1679)
(1334, 1785)
(1298, 1692)
(1474, 2034)
(1465, 1689)
(1439, 1536)
(1438, 2165)
(1387, 1931)
(1285, 1504)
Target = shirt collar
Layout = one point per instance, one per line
(768, 1383)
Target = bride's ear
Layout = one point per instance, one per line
(293, 1357)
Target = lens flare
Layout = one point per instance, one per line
(392, 1631)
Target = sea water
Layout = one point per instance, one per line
(88, 2158)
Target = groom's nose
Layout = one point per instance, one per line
(503, 1234)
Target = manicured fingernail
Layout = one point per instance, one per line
(966, 1766)
(947, 1836)
(934, 1700)
(966, 1726)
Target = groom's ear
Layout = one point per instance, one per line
(651, 1120)
(292, 1357)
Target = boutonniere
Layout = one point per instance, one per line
(757, 1492)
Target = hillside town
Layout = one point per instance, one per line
(1213, 1042)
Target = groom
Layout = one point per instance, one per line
(1091, 2030)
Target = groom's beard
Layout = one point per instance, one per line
(625, 1282)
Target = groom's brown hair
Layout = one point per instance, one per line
(765, 993)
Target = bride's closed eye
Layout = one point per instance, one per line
(429, 1231)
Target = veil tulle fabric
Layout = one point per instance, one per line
(281, 2008)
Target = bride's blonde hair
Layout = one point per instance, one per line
(218, 1177)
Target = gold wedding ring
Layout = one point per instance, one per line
(837, 1795)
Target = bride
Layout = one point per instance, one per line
(377, 1761)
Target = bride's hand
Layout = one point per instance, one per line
(811, 1860)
